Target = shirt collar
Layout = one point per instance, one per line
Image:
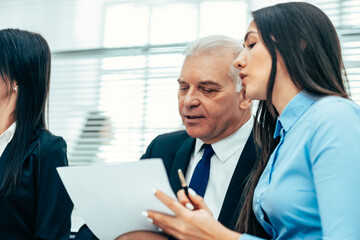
(293, 111)
(9, 133)
(228, 146)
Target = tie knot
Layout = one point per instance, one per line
(208, 151)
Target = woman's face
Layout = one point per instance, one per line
(7, 97)
(4, 91)
(255, 65)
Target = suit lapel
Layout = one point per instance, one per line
(181, 161)
(246, 161)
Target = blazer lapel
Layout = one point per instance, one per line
(3, 161)
(5, 156)
(228, 214)
(181, 161)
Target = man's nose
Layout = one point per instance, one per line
(192, 99)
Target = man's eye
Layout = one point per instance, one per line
(208, 90)
(183, 88)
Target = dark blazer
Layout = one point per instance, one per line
(175, 149)
(40, 207)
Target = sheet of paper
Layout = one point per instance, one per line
(111, 198)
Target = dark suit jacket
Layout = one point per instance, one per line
(175, 149)
(40, 207)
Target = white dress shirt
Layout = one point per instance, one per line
(6, 137)
(222, 165)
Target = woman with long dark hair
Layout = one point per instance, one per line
(305, 184)
(33, 201)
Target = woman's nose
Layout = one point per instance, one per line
(240, 61)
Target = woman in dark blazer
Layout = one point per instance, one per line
(33, 201)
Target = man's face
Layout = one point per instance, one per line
(208, 103)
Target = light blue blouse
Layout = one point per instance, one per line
(310, 188)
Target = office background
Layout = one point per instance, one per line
(115, 63)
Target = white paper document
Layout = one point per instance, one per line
(111, 198)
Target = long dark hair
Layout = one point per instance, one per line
(25, 60)
(307, 42)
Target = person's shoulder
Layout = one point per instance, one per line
(167, 144)
(172, 137)
(333, 112)
(334, 99)
(49, 148)
(48, 139)
(338, 107)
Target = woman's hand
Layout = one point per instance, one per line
(189, 224)
(194, 203)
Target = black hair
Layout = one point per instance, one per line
(25, 60)
(306, 40)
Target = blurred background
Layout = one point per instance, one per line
(115, 63)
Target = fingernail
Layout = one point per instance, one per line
(145, 213)
(154, 190)
(192, 192)
(189, 206)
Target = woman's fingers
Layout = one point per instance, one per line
(186, 224)
(184, 200)
(157, 217)
(198, 201)
(167, 223)
(193, 202)
(172, 204)
(168, 229)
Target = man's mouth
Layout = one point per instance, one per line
(193, 117)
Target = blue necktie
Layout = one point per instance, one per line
(201, 173)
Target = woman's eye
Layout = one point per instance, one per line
(251, 45)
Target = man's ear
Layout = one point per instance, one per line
(244, 102)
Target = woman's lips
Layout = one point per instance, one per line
(242, 76)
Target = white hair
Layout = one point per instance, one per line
(217, 45)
